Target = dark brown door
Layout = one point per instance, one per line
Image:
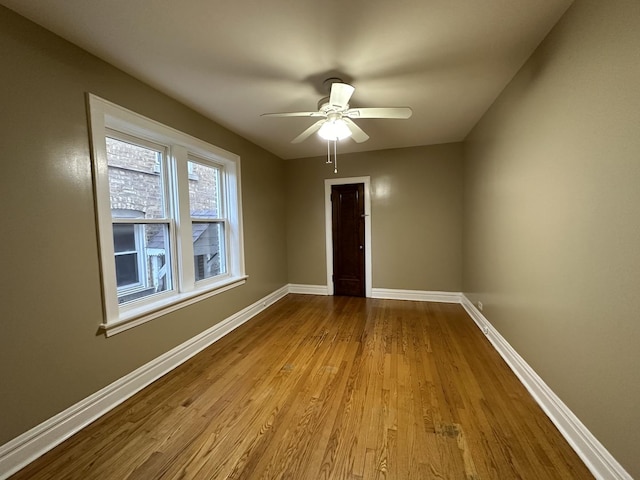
(347, 203)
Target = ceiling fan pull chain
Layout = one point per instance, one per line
(335, 156)
(328, 152)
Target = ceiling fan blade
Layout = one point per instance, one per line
(357, 133)
(308, 132)
(294, 114)
(382, 112)
(340, 94)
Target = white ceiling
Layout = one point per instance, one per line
(233, 60)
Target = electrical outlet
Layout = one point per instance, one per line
(480, 306)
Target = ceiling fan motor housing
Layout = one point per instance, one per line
(325, 106)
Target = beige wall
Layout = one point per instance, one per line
(415, 216)
(549, 234)
(552, 218)
(51, 355)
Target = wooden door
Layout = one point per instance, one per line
(347, 205)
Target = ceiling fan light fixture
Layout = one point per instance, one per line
(334, 130)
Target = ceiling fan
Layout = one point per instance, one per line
(336, 117)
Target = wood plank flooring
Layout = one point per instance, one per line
(328, 388)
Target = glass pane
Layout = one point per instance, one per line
(124, 239)
(135, 180)
(208, 249)
(204, 190)
(146, 268)
(127, 269)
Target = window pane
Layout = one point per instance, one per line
(145, 269)
(204, 191)
(127, 269)
(124, 239)
(208, 249)
(135, 180)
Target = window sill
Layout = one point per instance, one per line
(138, 316)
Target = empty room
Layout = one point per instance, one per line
(320, 240)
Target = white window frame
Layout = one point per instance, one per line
(105, 116)
(142, 268)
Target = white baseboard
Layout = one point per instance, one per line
(595, 456)
(416, 295)
(308, 289)
(386, 293)
(22, 450)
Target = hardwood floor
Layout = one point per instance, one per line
(328, 388)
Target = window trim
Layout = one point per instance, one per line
(104, 116)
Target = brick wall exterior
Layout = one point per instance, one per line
(135, 182)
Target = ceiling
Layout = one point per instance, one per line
(233, 60)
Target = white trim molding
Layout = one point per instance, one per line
(595, 456)
(417, 295)
(24, 449)
(308, 289)
(329, 228)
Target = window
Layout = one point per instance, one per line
(139, 215)
(207, 222)
(169, 216)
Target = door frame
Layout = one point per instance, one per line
(367, 229)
